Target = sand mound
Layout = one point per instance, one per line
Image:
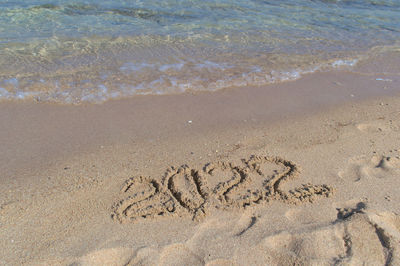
(112, 257)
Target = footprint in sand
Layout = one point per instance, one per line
(219, 185)
(179, 254)
(112, 256)
(245, 223)
(373, 127)
(359, 236)
(220, 262)
(377, 166)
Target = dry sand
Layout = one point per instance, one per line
(303, 173)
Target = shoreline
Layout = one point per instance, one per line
(89, 87)
(63, 129)
(63, 168)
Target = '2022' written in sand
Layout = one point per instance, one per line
(220, 185)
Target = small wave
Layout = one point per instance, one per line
(97, 10)
(170, 79)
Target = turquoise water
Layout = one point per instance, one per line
(77, 51)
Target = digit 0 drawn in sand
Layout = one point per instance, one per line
(219, 185)
(187, 187)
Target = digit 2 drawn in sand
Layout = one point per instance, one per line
(220, 185)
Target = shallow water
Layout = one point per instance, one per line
(77, 51)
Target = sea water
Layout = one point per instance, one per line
(92, 51)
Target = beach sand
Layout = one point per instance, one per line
(304, 172)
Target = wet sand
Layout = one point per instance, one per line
(300, 172)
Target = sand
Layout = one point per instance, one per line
(302, 172)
